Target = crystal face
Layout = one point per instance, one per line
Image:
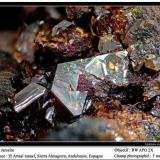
(27, 96)
(108, 44)
(65, 83)
(50, 114)
(61, 26)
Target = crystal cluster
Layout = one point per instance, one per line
(113, 66)
(82, 73)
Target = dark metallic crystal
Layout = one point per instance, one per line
(27, 96)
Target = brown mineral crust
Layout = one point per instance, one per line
(67, 43)
(76, 12)
(124, 122)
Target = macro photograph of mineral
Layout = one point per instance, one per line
(80, 73)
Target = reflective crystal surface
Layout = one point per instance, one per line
(108, 44)
(50, 115)
(61, 26)
(64, 87)
(27, 96)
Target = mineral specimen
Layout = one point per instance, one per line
(27, 96)
(88, 73)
